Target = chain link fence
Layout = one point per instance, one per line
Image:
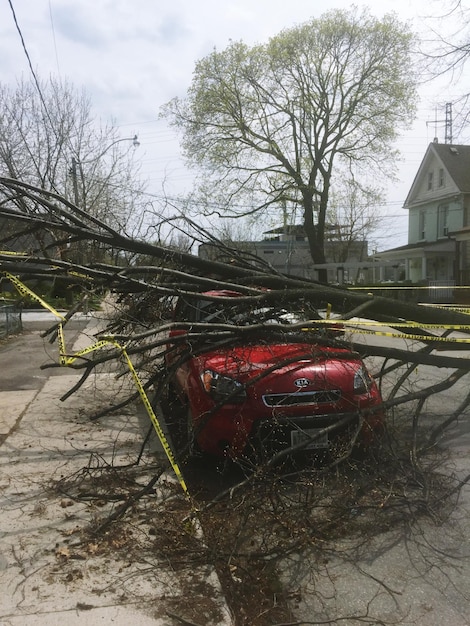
(10, 319)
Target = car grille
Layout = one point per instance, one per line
(302, 398)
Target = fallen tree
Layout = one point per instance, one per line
(146, 291)
(406, 483)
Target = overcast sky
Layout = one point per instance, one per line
(132, 56)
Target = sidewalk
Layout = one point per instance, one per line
(51, 572)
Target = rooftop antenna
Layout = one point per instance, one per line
(447, 122)
(448, 133)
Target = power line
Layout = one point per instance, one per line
(36, 81)
(53, 38)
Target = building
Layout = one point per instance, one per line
(438, 204)
(286, 250)
(436, 256)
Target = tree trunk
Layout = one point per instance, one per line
(315, 238)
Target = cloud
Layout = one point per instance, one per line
(172, 30)
(132, 56)
(109, 23)
(75, 23)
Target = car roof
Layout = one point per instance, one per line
(226, 293)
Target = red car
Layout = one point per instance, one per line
(272, 392)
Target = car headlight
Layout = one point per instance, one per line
(362, 381)
(223, 388)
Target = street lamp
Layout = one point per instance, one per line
(135, 143)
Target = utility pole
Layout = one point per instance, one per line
(74, 180)
(79, 197)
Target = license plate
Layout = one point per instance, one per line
(299, 436)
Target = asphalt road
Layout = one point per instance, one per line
(416, 574)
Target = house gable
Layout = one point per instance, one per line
(438, 203)
(444, 172)
(436, 200)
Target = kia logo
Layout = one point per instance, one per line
(301, 382)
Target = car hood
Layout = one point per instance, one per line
(244, 362)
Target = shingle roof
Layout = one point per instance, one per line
(456, 159)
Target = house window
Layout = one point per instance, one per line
(441, 177)
(422, 224)
(442, 221)
(430, 180)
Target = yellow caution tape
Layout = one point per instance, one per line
(411, 336)
(145, 400)
(356, 323)
(140, 388)
(153, 418)
(358, 327)
(61, 341)
(144, 397)
(25, 291)
(448, 307)
(68, 360)
(80, 275)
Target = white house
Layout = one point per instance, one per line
(438, 223)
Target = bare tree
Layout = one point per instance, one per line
(352, 218)
(445, 53)
(450, 52)
(51, 140)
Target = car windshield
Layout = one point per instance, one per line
(242, 315)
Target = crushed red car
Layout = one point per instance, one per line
(269, 390)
